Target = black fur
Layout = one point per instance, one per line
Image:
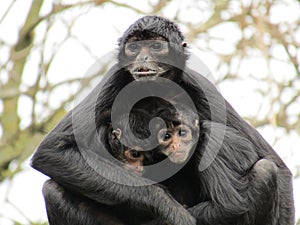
(223, 196)
(154, 25)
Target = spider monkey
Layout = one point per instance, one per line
(246, 183)
(133, 159)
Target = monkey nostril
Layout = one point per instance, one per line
(146, 58)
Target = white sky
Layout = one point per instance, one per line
(74, 61)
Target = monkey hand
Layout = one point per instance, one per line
(185, 206)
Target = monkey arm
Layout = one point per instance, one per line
(244, 190)
(81, 178)
(257, 207)
(79, 169)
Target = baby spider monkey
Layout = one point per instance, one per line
(176, 140)
(132, 156)
(133, 159)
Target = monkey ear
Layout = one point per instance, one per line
(184, 44)
(116, 134)
(196, 123)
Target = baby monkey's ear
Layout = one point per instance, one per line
(116, 134)
(196, 123)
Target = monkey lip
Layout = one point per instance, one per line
(144, 71)
(145, 76)
(178, 157)
(134, 170)
(180, 153)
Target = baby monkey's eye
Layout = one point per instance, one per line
(167, 136)
(164, 136)
(135, 154)
(182, 133)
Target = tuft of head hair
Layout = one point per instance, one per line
(153, 25)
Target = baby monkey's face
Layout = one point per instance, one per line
(176, 142)
(133, 158)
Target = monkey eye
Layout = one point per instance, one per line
(133, 47)
(157, 46)
(164, 136)
(167, 136)
(182, 133)
(135, 154)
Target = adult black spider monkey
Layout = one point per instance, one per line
(81, 178)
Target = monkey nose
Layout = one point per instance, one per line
(139, 169)
(175, 146)
(146, 58)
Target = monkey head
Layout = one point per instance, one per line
(133, 158)
(150, 47)
(178, 140)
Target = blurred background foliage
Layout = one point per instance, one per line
(251, 47)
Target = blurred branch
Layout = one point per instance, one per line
(257, 38)
(18, 56)
(159, 6)
(7, 11)
(118, 4)
(213, 21)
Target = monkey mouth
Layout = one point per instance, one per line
(178, 157)
(144, 74)
(134, 170)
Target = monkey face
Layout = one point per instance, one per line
(176, 143)
(145, 63)
(134, 160)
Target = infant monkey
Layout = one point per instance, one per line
(176, 140)
(133, 159)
